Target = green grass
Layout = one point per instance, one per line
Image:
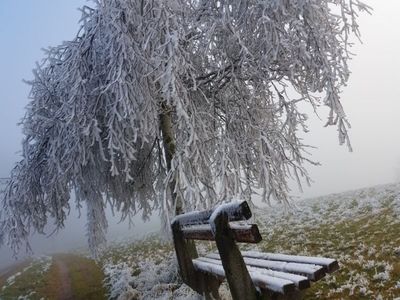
(84, 275)
(18, 267)
(366, 243)
(363, 247)
(360, 229)
(30, 282)
(151, 249)
(370, 239)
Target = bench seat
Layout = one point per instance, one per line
(279, 273)
(251, 275)
(260, 277)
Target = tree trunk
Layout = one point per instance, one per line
(169, 149)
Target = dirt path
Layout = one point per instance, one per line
(76, 277)
(65, 290)
(69, 277)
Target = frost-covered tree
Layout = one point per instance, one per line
(176, 105)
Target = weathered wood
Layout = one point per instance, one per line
(241, 233)
(276, 276)
(270, 295)
(239, 280)
(204, 284)
(259, 279)
(330, 265)
(208, 285)
(184, 256)
(301, 282)
(238, 212)
(312, 272)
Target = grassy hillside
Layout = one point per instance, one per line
(360, 228)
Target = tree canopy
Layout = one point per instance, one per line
(176, 105)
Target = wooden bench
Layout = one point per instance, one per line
(250, 274)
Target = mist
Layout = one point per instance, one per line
(73, 236)
(370, 101)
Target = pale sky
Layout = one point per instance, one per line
(371, 99)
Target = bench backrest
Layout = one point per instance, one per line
(280, 273)
(236, 211)
(215, 225)
(198, 225)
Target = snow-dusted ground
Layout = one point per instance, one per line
(147, 270)
(38, 267)
(360, 228)
(347, 226)
(332, 208)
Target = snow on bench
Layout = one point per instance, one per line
(242, 233)
(330, 265)
(236, 211)
(301, 282)
(311, 271)
(250, 274)
(260, 279)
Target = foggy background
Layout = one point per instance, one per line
(370, 101)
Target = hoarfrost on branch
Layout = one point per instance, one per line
(195, 100)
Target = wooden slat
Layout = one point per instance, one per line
(312, 272)
(236, 211)
(261, 280)
(329, 264)
(301, 282)
(242, 233)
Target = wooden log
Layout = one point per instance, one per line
(329, 264)
(236, 211)
(242, 233)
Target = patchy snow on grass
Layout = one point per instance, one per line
(358, 228)
(27, 297)
(333, 208)
(44, 263)
(147, 270)
(23, 282)
(119, 281)
(11, 280)
(148, 280)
